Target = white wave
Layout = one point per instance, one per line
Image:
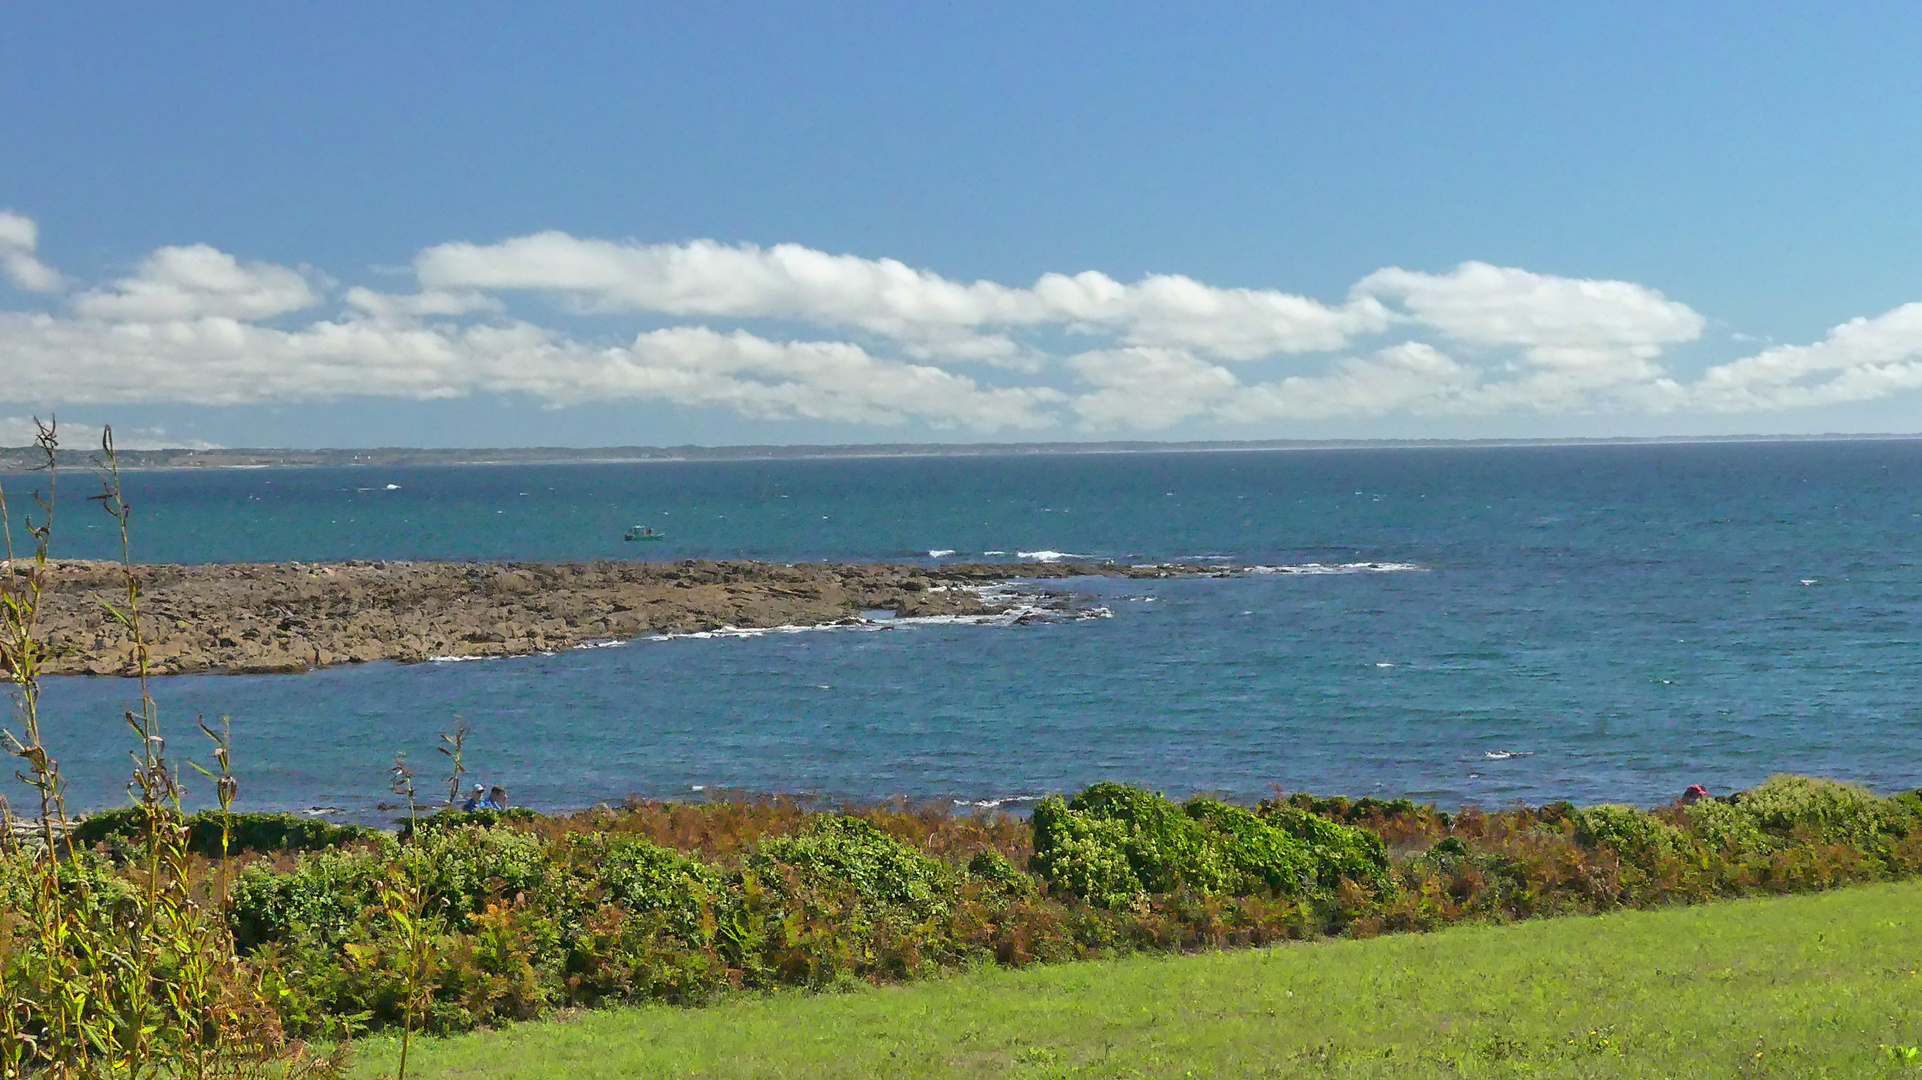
(458, 659)
(1205, 558)
(1336, 568)
(1504, 755)
(941, 553)
(991, 804)
(756, 631)
(1048, 556)
(994, 553)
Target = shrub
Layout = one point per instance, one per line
(447, 818)
(994, 868)
(1113, 843)
(1256, 853)
(324, 894)
(245, 832)
(1727, 827)
(644, 878)
(1084, 855)
(1825, 810)
(1635, 835)
(1338, 851)
(462, 867)
(838, 851)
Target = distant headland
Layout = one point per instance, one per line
(13, 459)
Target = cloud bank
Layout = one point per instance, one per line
(878, 342)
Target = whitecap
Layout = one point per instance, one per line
(992, 804)
(1337, 568)
(1048, 556)
(941, 553)
(1504, 755)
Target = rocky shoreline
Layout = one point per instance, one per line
(293, 617)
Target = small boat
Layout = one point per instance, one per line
(643, 532)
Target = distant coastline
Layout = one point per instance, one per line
(15, 459)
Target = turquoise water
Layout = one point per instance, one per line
(1619, 621)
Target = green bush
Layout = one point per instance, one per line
(1338, 851)
(1828, 811)
(644, 878)
(1256, 853)
(448, 817)
(837, 852)
(1360, 811)
(1635, 835)
(1726, 827)
(1113, 843)
(245, 832)
(461, 867)
(994, 868)
(324, 894)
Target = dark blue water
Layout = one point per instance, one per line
(1626, 620)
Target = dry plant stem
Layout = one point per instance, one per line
(401, 899)
(45, 1006)
(452, 742)
(149, 987)
(21, 653)
(225, 788)
(153, 785)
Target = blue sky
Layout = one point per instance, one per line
(507, 224)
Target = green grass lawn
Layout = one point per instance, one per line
(1804, 986)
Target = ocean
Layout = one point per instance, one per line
(1452, 624)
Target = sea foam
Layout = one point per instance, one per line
(1336, 568)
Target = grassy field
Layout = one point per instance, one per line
(1803, 986)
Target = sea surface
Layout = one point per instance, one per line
(1462, 625)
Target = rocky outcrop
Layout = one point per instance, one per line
(290, 617)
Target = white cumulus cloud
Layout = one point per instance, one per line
(892, 344)
(890, 298)
(199, 281)
(1559, 323)
(1860, 360)
(19, 242)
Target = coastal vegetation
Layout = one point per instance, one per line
(472, 920)
(149, 941)
(1786, 987)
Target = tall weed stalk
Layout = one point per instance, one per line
(120, 971)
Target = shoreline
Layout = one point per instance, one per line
(288, 618)
(19, 460)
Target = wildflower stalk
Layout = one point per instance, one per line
(401, 898)
(452, 742)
